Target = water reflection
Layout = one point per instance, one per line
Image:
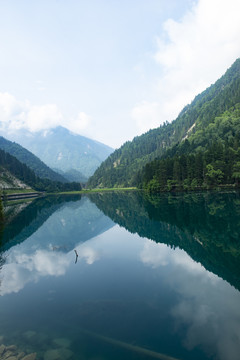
(207, 312)
(44, 244)
(107, 292)
(205, 225)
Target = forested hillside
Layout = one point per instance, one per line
(32, 161)
(209, 122)
(26, 175)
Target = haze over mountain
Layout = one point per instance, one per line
(74, 156)
(212, 117)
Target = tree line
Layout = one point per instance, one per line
(216, 166)
(202, 122)
(25, 174)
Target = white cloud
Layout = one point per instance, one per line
(42, 117)
(10, 108)
(78, 124)
(192, 53)
(146, 115)
(15, 115)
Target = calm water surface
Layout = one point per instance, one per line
(155, 277)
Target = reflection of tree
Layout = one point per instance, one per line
(27, 221)
(2, 262)
(205, 225)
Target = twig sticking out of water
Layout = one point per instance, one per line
(76, 256)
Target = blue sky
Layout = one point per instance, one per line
(110, 69)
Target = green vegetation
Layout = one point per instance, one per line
(17, 191)
(218, 165)
(210, 157)
(33, 162)
(26, 175)
(185, 153)
(74, 156)
(90, 191)
(1, 213)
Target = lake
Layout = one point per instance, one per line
(121, 275)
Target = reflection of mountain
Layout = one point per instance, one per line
(29, 219)
(206, 226)
(68, 213)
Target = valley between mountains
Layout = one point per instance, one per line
(200, 149)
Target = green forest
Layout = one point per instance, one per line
(32, 161)
(207, 159)
(25, 174)
(199, 148)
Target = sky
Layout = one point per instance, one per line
(110, 69)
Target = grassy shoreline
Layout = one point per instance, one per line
(89, 191)
(17, 191)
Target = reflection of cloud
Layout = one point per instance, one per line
(154, 254)
(89, 254)
(207, 313)
(21, 269)
(212, 318)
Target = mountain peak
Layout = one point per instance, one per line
(64, 151)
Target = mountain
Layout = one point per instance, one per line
(74, 156)
(15, 174)
(212, 116)
(32, 161)
(9, 181)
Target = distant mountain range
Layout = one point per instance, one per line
(206, 132)
(74, 156)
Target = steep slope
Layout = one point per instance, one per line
(208, 158)
(75, 157)
(16, 174)
(13, 173)
(122, 167)
(32, 161)
(9, 181)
